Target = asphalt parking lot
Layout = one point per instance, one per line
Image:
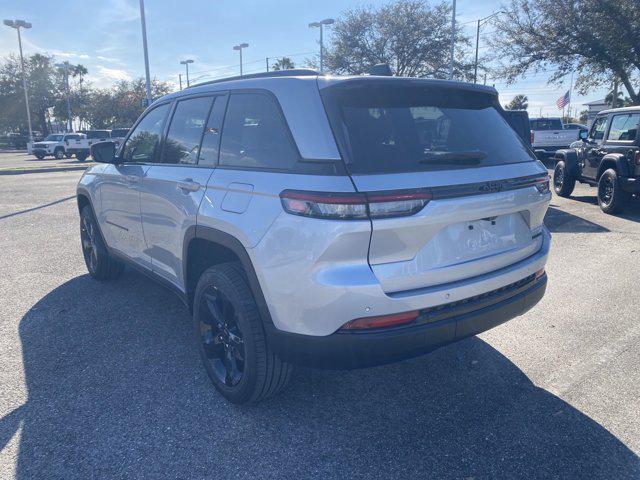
(102, 381)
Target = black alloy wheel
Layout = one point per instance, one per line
(221, 338)
(88, 239)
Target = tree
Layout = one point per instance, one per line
(584, 116)
(621, 100)
(411, 36)
(519, 102)
(41, 83)
(284, 63)
(597, 39)
(121, 105)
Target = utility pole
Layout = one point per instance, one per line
(267, 63)
(65, 67)
(453, 40)
(186, 64)
(18, 24)
(321, 24)
(146, 52)
(180, 80)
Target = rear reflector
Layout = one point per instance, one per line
(383, 321)
(354, 206)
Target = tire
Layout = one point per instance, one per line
(563, 183)
(100, 264)
(231, 340)
(68, 155)
(81, 157)
(611, 198)
(58, 153)
(39, 155)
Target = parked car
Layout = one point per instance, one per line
(81, 146)
(549, 135)
(56, 144)
(607, 157)
(335, 222)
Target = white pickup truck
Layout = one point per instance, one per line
(549, 134)
(82, 147)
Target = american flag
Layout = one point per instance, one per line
(563, 100)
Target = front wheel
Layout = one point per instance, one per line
(231, 339)
(39, 155)
(611, 198)
(81, 157)
(563, 182)
(68, 155)
(100, 264)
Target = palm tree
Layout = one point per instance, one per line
(285, 63)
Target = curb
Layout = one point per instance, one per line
(20, 171)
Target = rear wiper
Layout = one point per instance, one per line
(463, 157)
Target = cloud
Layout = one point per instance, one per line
(113, 73)
(123, 11)
(106, 77)
(59, 53)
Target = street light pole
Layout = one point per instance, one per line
(453, 40)
(65, 67)
(18, 24)
(480, 23)
(321, 24)
(239, 48)
(186, 64)
(146, 52)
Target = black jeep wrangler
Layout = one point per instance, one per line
(607, 156)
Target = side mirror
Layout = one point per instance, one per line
(104, 152)
(583, 134)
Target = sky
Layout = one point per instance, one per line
(105, 36)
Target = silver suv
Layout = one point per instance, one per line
(336, 222)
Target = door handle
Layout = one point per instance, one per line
(188, 185)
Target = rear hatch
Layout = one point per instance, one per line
(488, 194)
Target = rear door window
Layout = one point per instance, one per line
(182, 144)
(397, 128)
(255, 134)
(624, 128)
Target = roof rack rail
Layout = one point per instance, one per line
(294, 72)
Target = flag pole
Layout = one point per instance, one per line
(570, 92)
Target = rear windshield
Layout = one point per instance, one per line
(98, 134)
(546, 124)
(409, 128)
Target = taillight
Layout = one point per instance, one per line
(355, 206)
(543, 185)
(383, 321)
(637, 159)
(533, 136)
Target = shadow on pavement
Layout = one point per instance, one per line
(55, 202)
(558, 220)
(115, 389)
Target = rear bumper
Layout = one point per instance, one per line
(630, 184)
(441, 326)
